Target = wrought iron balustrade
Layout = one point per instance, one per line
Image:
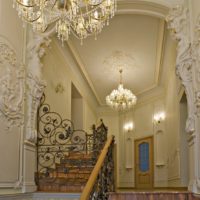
(105, 180)
(101, 181)
(64, 153)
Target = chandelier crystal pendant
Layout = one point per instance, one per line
(81, 17)
(121, 98)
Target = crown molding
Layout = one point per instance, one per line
(156, 9)
(82, 68)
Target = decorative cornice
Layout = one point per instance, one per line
(155, 9)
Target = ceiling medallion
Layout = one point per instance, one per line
(81, 17)
(121, 98)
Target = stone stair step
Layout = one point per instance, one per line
(55, 196)
(61, 188)
(70, 175)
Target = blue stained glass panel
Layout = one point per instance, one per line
(144, 157)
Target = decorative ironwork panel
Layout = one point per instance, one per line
(105, 180)
(66, 156)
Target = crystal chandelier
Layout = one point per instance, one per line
(81, 17)
(121, 98)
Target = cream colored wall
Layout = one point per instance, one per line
(142, 117)
(90, 117)
(11, 139)
(77, 112)
(58, 69)
(144, 127)
(11, 27)
(172, 130)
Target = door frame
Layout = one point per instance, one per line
(135, 165)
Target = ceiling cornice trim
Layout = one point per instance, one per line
(82, 68)
(160, 48)
(155, 9)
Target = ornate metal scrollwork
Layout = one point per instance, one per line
(63, 150)
(105, 181)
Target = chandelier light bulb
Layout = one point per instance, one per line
(96, 14)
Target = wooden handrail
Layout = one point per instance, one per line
(93, 176)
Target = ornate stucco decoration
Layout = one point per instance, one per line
(196, 59)
(12, 78)
(196, 75)
(178, 23)
(36, 50)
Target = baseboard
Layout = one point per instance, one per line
(172, 188)
(29, 187)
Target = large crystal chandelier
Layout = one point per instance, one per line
(81, 17)
(121, 98)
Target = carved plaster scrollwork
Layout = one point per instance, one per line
(36, 50)
(12, 77)
(196, 49)
(196, 59)
(36, 89)
(178, 23)
(197, 103)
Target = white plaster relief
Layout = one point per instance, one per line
(188, 62)
(196, 60)
(12, 77)
(178, 23)
(36, 50)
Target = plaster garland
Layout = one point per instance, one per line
(11, 85)
(36, 85)
(178, 23)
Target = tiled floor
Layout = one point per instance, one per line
(153, 195)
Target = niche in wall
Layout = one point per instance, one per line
(184, 157)
(76, 108)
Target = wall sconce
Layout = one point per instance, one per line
(159, 117)
(59, 88)
(128, 126)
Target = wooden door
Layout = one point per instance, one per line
(144, 172)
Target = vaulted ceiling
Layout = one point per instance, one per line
(133, 42)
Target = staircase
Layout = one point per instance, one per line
(70, 175)
(67, 157)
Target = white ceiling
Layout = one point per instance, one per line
(133, 42)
